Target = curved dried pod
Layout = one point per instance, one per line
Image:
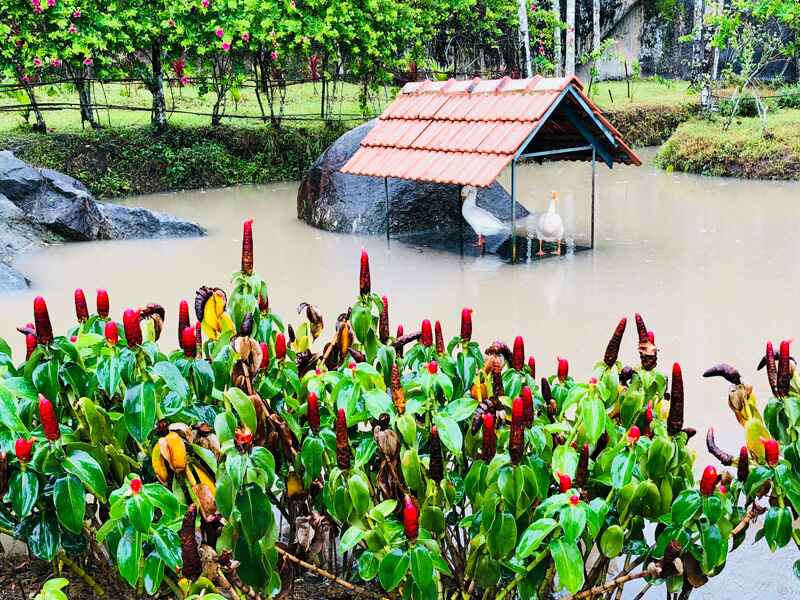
(192, 565)
(250, 353)
(314, 318)
(498, 348)
(157, 314)
(784, 374)
(737, 401)
(304, 361)
(675, 417)
(203, 295)
(722, 456)
(667, 564)
(772, 369)
(725, 371)
(344, 337)
(247, 325)
(211, 443)
(182, 429)
(173, 450)
(387, 441)
(612, 350)
(403, 340)
(356, 355)
(398, 395)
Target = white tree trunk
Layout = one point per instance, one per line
(569, 52)
(697, 44)
(595, 24)
(525, 37)
(557, 39)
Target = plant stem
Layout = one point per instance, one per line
(515, 582)
(653, 570)
(87, 579)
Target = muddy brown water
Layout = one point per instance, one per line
(712, 264)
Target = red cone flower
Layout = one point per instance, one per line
(527, 406)
(112, 333)
(517, 435)
(563, 369)
(466, 324)
(102, 304)
(264, 356)
(183, 320)
(433, 367)
(634, 434)
(47, 415)
(81, 309)
(651, 336)
(771, 451)
(30, 344)
(364, 278)
(189, 342)
(426, 336)
(383, 321)
(399, 331)
(410, 518)
(564, 482)
(574, 500)
(708, 482)
(41, 320)
(132, 326)
(518, 355)
(23, 449)
(743, 468)
(784, 374)
(280, 346)
(489, 437)
(136, 485)
(313, 412)
(198, 334)
(437, 329)
(532, 366)
(247, 247)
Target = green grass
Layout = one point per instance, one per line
(644, 92)
(301, 100)
(700, 146)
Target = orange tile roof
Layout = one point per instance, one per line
(464, 132)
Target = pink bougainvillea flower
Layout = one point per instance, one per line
(220, 32)
(184, 80)
(37, 62)
(72, 28)
(205, 3)
(76, 14)
(37, 7)
(55, 63)
(246, 37)
(51, 3)
(274, 55)
(226, 46)
(88, 61)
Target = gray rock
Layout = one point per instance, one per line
(329, 199)
(41, 206)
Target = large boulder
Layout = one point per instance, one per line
(329, 199)
(42, 206)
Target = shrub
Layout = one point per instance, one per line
(440, 467)
(788, 96)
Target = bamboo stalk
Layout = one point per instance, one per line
(87, 579)
(328, 575)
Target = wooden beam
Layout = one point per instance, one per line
(590, 137)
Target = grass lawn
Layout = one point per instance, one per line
(645, 92)
(700, 146)
(301, 100)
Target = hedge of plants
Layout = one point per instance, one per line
(394, 463)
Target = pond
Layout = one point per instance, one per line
(711, 264)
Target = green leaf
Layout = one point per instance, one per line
(23, 490)
(393, 569)
(378, 402)
(255, 515)
(244, 407)
(129, 554)
(173, 378)
(449, 433)
(358, 487)
(686, 506)
(714, 547)
(565, 460)
(367, 566)
(69, 496)
(533, 536)
(569, 564)
(593, 414)
(140, 410)
(140, 512)
(154, 574)
(45, 539)
(461, 409)
(9, 412)
(161, 497)
(311, 455)
(351, 538)
(778, 527)
(573, 522)
(502, 537)
(421, 566)
(84, 467)
(45, 378)
(168, 546)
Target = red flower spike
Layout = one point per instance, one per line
(280, 346)
(564, 482)
(518, 355)
(30, 344)
(527, 406)
(364, 279)
(722, 489)
(426, 335)
(136, 486)
(516, 438)
(641, 329)
(675, 416)
(708, 482)
(23, 449)
(574, 500)
(183, 319)
(112, 333)
(81, 309)
(313, 412)
(410, 518)
(47, 415)
(198, 334)
(437, 329)
(772, 373)
(132, 326)
(489, 437)
(563, 369)
(247, 247)
(243, 437)
(343, 454)
(771, 451)
(433, 367)
(651, 336)
(648, 414)
(383, 321)
(466, 324)
(189, 342)
(634, 434)
(41, 320)
(532, 366)
(400, 331)
(612, 350)
(103, 305)
(784, 374)
(743, 468)
(264, 356)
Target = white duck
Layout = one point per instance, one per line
(550, 227)
(482, 221)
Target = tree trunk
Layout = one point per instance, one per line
(557, 39)
(697, 44)
(569, 51)
(40, 126)
(158, 116)
(595, 24)
(524, 35)
(85, 99)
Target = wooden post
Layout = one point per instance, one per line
(594, 171)
(388, 207)
(514, 211)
